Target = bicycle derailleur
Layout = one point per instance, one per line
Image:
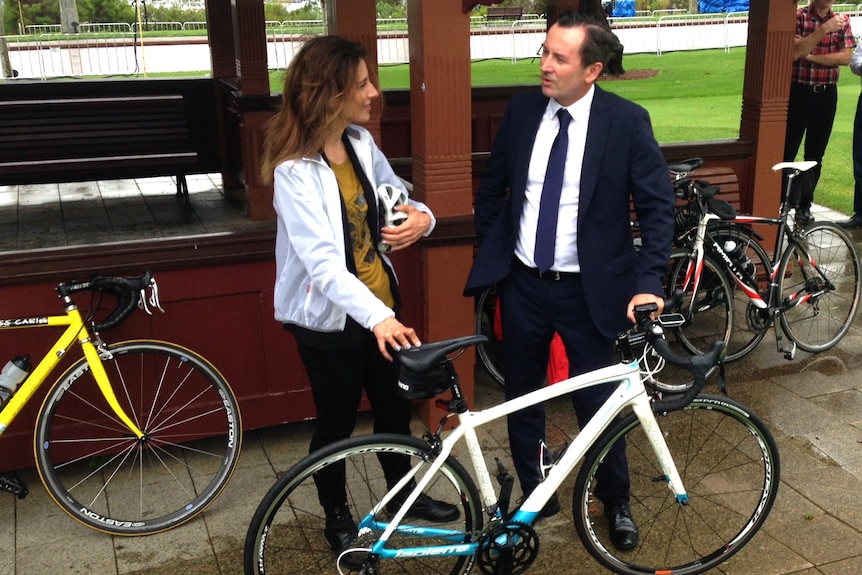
(507, 548)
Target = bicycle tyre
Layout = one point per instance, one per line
(820, 323)
(490, 353)
(105, 478)
(708, 316)
(286, 532)
(707, 319)
(728, 461)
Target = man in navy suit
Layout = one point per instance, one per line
(595, 276)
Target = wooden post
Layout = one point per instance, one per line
(556, 7)
(765, 91)
(253, 80)
(357, 20)
(223, 57)
(440, 104)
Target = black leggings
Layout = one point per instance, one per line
(338, 378)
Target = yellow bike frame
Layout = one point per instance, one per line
(76, 329)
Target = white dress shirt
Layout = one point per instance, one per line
(565, 252)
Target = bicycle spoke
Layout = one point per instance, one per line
(820, 288)
(190, 447)
(287, 533)
(728, 463)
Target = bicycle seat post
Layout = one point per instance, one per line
(784, 210)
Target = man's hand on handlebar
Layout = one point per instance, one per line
(643, 299)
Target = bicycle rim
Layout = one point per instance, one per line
(105, 478)
(833, 281)
(490, 353)
(729, 465)
(286, 534)
(708, 318)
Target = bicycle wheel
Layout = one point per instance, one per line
(708, 318)
(286, 532)
(831, 279)
(750, 323)
(490, 353)
(708, 314)
(107, 479)
(728, 462)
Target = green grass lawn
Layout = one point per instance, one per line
(694, 96)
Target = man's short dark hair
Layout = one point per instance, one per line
(600, 43)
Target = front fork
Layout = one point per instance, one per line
(97, 368)
(650, 425)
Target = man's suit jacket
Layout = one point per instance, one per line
(622, 163)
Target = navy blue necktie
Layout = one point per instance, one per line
(549, 206)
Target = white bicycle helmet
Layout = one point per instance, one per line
(390, 197)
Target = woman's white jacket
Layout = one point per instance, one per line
(314, 287)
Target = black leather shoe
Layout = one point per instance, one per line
(803, 216)
(624, 531)
(340, 532)
(424, 508)
(854, 222)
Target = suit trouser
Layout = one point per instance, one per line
(810, 114)
(857, 157)
(532, 310)
(338, 378)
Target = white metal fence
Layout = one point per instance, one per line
(56, 55)
(109, 49)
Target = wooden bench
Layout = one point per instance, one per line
(91, 136)
(504, 12)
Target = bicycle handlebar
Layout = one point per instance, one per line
(700, 366)
(126, 289)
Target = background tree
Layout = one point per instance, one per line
(5, 65)
(69, 16)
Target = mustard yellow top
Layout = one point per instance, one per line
(369, 268)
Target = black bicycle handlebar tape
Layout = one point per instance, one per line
(127, 291)
(700, 366)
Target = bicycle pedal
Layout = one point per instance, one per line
(14, 486)
(790, 354)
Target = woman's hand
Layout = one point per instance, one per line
(396, 334)
(409, 231)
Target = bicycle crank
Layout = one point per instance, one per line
(758, 319)
(508, 548)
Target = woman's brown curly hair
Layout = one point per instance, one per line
(319, 80)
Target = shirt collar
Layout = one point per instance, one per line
(579, 111)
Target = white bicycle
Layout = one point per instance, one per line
(704, 475)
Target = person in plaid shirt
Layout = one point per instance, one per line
(824, 42)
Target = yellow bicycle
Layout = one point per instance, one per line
(135, 437)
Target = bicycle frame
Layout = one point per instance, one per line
(630, 391)
(704, 243)
(75, 329)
